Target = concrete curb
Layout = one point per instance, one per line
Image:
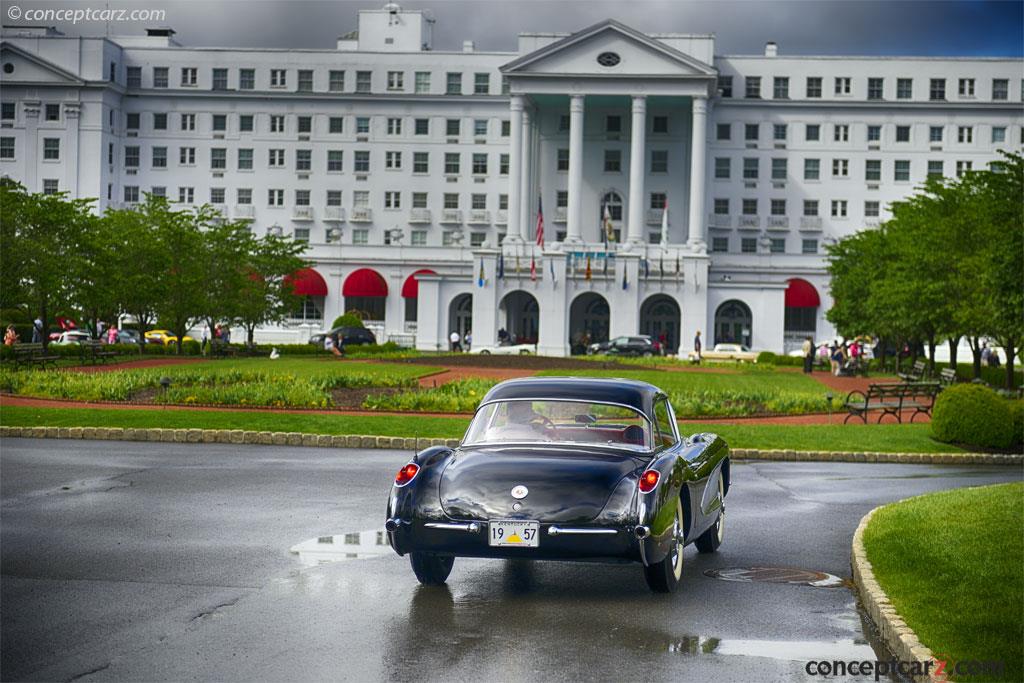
(238, 436)
(898, 637)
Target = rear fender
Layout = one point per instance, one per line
(658, 508)
(419, 497)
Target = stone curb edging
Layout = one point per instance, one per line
(239, 436)
(897, 636)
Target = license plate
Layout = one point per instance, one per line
(513, 533)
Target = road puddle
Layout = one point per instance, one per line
(788, 575)
(359, 545)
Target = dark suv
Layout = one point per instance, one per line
(347, 336)
(639, 345)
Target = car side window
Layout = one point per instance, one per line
(666, 435)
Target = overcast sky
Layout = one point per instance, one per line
(921, 27)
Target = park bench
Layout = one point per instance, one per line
(947, 377)
(892, 399)
(33, 354)
(92, 351)
(916, 374)
(221, 349)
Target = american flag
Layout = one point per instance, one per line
(540, 223)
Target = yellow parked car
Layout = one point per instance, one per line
(164, 337)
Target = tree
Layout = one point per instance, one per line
(94, 273)
(227, 249)
(267, 294)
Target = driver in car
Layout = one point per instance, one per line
(523, 422)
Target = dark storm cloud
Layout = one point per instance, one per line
(800, 27)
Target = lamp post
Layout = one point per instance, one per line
(828, 397)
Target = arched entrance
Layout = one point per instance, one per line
(734, 323)
(520, 314)
(660, 319)
(460, 315)
(801, 320)
(612, 200)
(365, 291)
(589, 317)
(311, 288)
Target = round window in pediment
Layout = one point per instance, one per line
(608, 59)
(8, 68)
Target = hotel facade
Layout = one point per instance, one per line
(680, 190)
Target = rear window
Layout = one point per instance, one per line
(666, 435)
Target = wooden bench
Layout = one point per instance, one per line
(33, 354)
(892, 399)
(220, 349)
(947, 377)
(92, 351)
(915, 375)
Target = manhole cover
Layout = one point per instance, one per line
(802, 577)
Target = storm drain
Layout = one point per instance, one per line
(799, 577)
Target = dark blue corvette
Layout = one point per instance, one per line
(564, 469)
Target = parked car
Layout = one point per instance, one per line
(564, 469)
(164, 337)
(347, 336)
(735, 352)
(505, 349)
(71, 337)
(639, 345)
(128, 337)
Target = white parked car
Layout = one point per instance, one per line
(505, 350)
(71, 337)
(734, 352)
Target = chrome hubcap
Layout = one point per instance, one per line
(677, 548)
(721, 513)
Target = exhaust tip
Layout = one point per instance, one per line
(642, 532)
(391, 525)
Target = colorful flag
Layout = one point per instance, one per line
(609, 234)
(607, 258)
(661, 265)
(533, 268)
(554, 280)
(480, 280)
(517, 262)
(540, 223)
(587, 273)
(501, 265)
(664, 225)
(647, 269)
(625, 278)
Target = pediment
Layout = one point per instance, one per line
(639, 56)
(29, 68)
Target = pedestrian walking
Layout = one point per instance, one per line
(453, 339)
(468, 339)
(37, 331)
(697, 347)
(808, 351)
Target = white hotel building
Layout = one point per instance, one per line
(412, 171)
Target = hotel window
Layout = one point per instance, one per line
(813, 87)
(780, 88)
(220, 123)
(336, 81)
(419, 200)
(562, 160)
(450, 200)
(246, 123)
(480, 128)
(419, 239)
(780, 169)
(841, 132)
(722, 206)
(659, 125)
(779, 131)
(396, 81)
(131, 120)
(901, 170)
(810, 207)
(422, 82)
(394, 126)
(189, 76)
(725, 85)
(778, 207)
(998, 134)
(481, 84)
(965, 134)
(452, 127)
(247, 79)
(453, 83)
(421, 126)
(303, 160)
(452, 163)
(751, 131)
(506, 128)
(361, 162)
(809, 247)
(503, 164)
(935, 134)
(245, 157)
(187, 156)
(7, 110)
(874, 133)
(393, 161)
(563, 123)
(871, 209)
(840, 168)
(963, 167)
(478, 201)
(336, 124)
(748, 245)
(160, 76)
(842, 85)
(335, 161)
(935, 168)
(305, 80)
(561, 199)
(275, 197)
(218, 158)
(749, 207)
(812, 169)
(333, 197)
(753, 86)
(361, 236)
(6, 148)
(131, 156)
(966, 87)
(51, 149)
(420, 162)
(937, 89)
(278, 78)
(613, 124)
(777, 245)
(839, 208)
(134, 77)
(1000, 89)
(659, 161)
(612, 161)
(216, 195)
(220, 79)
(873, 170)
(812, 132)
(186, 195)
(479, 164)
(392, 199)
(904, 88)
(53, 113)
(875, 88)
(751, 167)
(719, 245)
(364, 81)
(131, 193)
(188, 121)
(362, 125)
(723, 166)
(902, 133)
(275, 158)
(723, 131)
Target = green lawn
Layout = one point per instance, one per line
(953, 565)
(880, 438)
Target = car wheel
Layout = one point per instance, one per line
(485, 352)
(664, 576)
(430, 569)
(709, 541)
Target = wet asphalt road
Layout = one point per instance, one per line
(171, 561)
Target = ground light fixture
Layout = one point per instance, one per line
(165, 382)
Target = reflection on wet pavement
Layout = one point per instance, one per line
(801, 577)
(359, 545)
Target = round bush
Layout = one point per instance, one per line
(1017, 415)
(766, 357)
(347, 320)
(973, 415)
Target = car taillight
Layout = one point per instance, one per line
(406, 474)
(649, 480)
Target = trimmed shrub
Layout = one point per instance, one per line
(1017, 420)
(769, 358)
(973, 415)
(347, 320)
(766, 357)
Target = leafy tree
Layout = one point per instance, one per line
(225, 257)
(266, 294)
(181, 273)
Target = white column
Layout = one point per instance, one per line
(698, 144)
(524, 178)
(515, 163)
(637, 156)
(575, 219)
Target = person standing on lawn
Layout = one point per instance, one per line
(37, 330)
(10, 336)
(808, 351)
(454, 339)
(697, 347)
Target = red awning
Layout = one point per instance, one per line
(308, 282)
(365, 282)
(801, 294)
(411, 287)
